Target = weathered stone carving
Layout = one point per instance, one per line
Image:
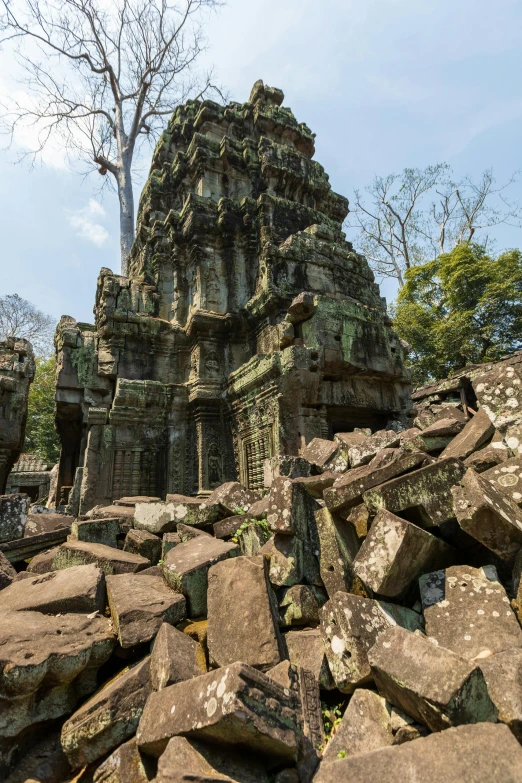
(16, 373)
(247, 325)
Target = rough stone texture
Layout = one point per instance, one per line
(43, 562)
(245, 629)
(507, 478)
(125, 765)
(471, 754)
(43, 762)
(96, 531)
(290, 509)
(109, 559)
(77, 589)
(13, 516)
(362, 453)
(306, 648)
(299, 605)
(467, 610)
(46, 664)
(109, 718)
(140, 604)
(186, 569)
(46, 523)
(17, 370)
(319, 451)
(348, 490)
(141, 542)
(315, 485)
(430, 683)
(474, 435)
(163, 517)
(488, 515)
(338, 546)
(365, 726)
(424, 493)
(7, 572)
(236, 705)
(396, 552)
(490, 456)
(287, 466)
(175, 657)
(503, 675)
(193, 373)
(292, 561)
(32, 475)
(351, 625)
(186, 760)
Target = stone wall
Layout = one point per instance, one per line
(17, 370)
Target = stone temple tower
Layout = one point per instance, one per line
(246, 327)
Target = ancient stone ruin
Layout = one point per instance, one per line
(32, 476)
(269, 562)
(17, 370)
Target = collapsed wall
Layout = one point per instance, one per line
(17, 370)
(247, 326)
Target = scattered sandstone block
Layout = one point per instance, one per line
(7, 571)
(348, 491)
(338, 546)
(37, 524)
(291, 509)
(503, 674)
(109, 559)
(43, 762)
(444, 427)
(488, 515)
(476, 754)
(292, 561)
(43, 562)
(245, 629)
(126, 765)
(132, 500)
(47, 663)
(168, 542)
(507, 478)
(13, 516)
(319, 451)
(488, 457)
(298, 605)
(231, 498)
(351, 625)
(316, 485)
(236, 705)
(162, 518)
(474, 435)
(187, 532)
(141, 542)
(186, 569)
(424, 493)
(175, 657)
(97, 531)
(396, 552)
(349, 439)
(359, 518)
(306, 649)
(140, 604)
(467, 610)
(109, 718)
(365, 726)
(362, 453)
(433, 685)
(285, 466)
(78, 589)
(187, 760)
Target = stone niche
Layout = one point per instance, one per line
(31, 476)
(247, 325)
(17, 370)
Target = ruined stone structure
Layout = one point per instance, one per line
(17, 370)
(247, 325)
(31, 476)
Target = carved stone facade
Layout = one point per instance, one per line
(17, 370)
(31, 476)
(200, 364)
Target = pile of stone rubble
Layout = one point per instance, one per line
(358, 622)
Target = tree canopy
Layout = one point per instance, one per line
(20, 318)
(465, 307)
(40, 436)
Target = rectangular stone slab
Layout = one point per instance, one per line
(396, 552)
(109, 559)
(235, 705)
(189, 761)
(338, 547)
(503, 675)
(139, 604)
(506, 477)
(365, 726)
(175, 657)
(98, 531)
(482, 753)
(306, 648)
(362, 453)
(109, 718)
(76, 589)
(290, 509)
(474, 435)
(430, 683)
(186, 569)
(242, 614)
(127, 764)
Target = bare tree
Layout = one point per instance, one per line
(103, 73)
(409, 218)
(20, 318)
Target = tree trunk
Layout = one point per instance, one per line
(126, 197)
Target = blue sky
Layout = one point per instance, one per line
(384, 83)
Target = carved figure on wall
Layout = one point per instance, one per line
(215, 469)
(213, 291)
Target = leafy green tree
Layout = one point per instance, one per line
(465, 307)
(41, 438)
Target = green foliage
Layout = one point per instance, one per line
(41, 438)
(260, 524)
(465, 307)
(332, 717)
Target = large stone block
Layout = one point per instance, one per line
(13, 516)
(396, 552)
(338, 547)
(141, 542)
(351, 625)
(362, 453)
(187, 760)
(139, 604)
(242, 614)
(467, 610)
(162, 518)
(299, 605)
(77, 589)
(97, 531)
(503, 674)
(430, 683)
(475, 754)
(474, 435)
(175, 657)
(109, 559)
(109, 718)
(291, 509)
(186, 569)
(507, 478)
(233, 706)
(7, 571)
(366, 725)
(306, 649)
(126, 765)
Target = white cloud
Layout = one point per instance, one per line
(84, 222)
